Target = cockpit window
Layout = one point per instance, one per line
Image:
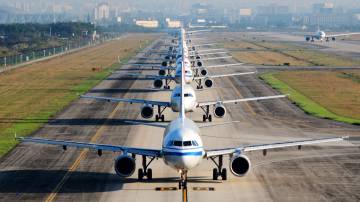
(187, 143)
(177, 95)
(188, 95)
(183, 143)
(178, 143)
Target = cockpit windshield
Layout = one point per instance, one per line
(183, 143)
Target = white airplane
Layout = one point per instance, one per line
(190, 102)
(322, 36)
(182, 149)
(164, 80)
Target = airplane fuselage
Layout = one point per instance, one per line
(182, 146)
(189, 98)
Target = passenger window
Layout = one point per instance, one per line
(187, 143)
(178, 143)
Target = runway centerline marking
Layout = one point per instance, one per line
(82, 155)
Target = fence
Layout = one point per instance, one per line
(13, 60)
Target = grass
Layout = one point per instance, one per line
(323, 59)
(267, 58)
(31, 95)
(280, 53)
(322, 94)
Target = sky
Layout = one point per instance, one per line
(86, 6)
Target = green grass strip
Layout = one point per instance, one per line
(305, 103)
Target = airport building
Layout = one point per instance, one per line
(147, 23)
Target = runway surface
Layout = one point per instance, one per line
(328, 172)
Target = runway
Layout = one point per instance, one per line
(316, 173)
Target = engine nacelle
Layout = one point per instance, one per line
(162, 72)
(158, 83)
(219, 111)
(203, 72)
(208, 83)
(124, 165)
(307, 38)
(199, 63)
(333, 38)
(198, 57)
(167, 57)
(239, 165)
(147, 111)
(164, 64)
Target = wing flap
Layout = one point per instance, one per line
(200, 104)
(248, 148)
(109, 99)
(94, 146)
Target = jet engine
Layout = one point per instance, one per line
(208, 83)
(167, 57)
(307, 38)
(203, 72)
(199, 63)
(124, 165)
(239, 165)
(164, 64)
(158, 83)
(219, 111)
(147, 111)
(162, 72)
(333, 38)
(198, 57)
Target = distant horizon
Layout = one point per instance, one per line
(173, 6)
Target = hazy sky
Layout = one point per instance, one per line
(84, 6)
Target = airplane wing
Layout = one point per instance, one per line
(223, 75)
(256, 147)
(214, 53)
(200, 104)
(207, 125)
(148, 58)
(158, 125)
(140, 101)
(151, 76)
(213, 66)
(216, 58)
(345, 34)
(104, 147)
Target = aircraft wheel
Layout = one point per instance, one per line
(156, 117)
(204, 118)
(215, 174)
(210, 118)
(140, 174)
(163, 118)
(149, 174)
(223, 174)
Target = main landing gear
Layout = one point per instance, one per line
(199, 84)
(219, 171)
(167, 82)
(160, 115)
(145, 171)
(207, 115)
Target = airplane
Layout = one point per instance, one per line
(182, 149)
(321, 35)
(190, 102)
